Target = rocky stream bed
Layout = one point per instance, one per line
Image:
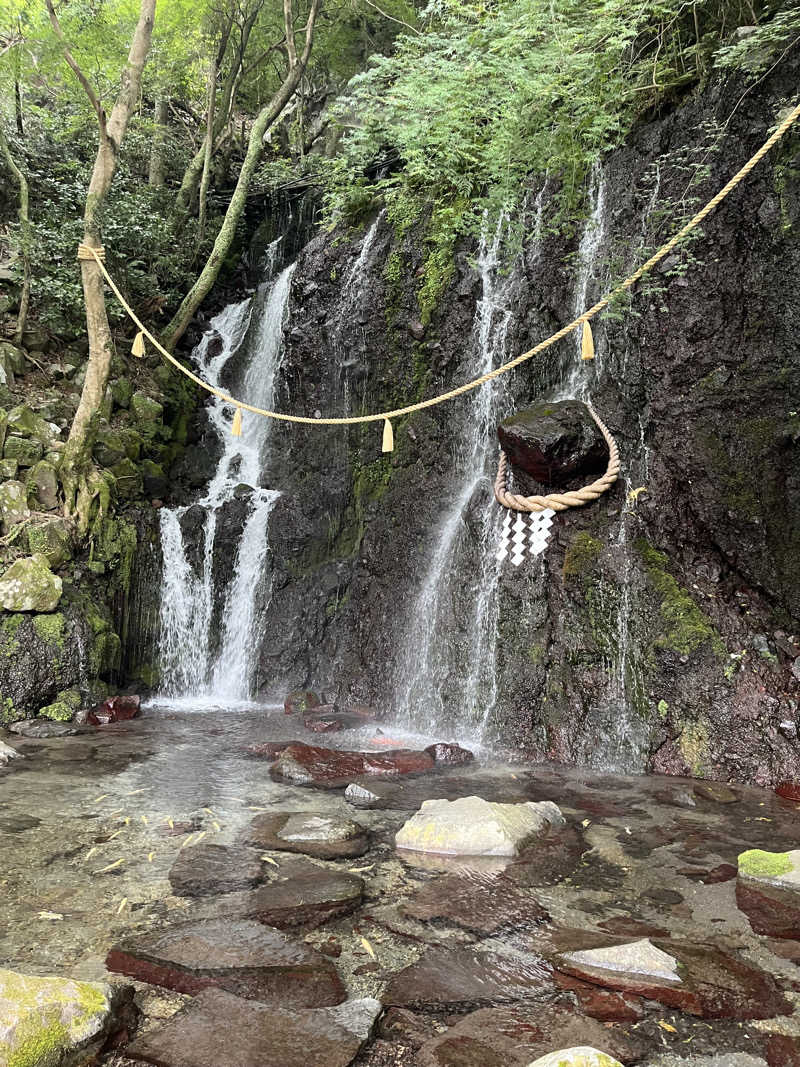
(283, 924)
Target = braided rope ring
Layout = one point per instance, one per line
(560, 501)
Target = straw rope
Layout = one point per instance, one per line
(557, 501)
(560, 501)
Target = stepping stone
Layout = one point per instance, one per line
(331, 768)
(472, 826)
(324, 837)
(482, 905)
(768, 891)
(302, 894)
(513, 1036)
(697, 979)
(454, 979)
(217, 1029)
(239, 955)
(201, 870)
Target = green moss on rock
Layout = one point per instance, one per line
(581, 556)
(58, 711)
(686, 627)
(50, 629)
(755, 863)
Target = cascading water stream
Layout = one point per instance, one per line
(447, 664)
(192, 664)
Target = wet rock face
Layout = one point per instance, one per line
(217, 1028)
(554, 443)
(238, 955)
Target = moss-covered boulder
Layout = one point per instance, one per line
(30, 585)
(58, 711)
(148, 415)
(25, 450)
(13, 504)
(128, 479)
(155, 479)
(768, 891)
(121, 392)
(45, 1022)
(43, 486)
(53, 539)
(8, 469)
(23, 421)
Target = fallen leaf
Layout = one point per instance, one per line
(269, 859)
(150, 857)
(103, 797)
(53, 915)
(216, 825)
(116, 833)
(586, 822)
(368, 947)
(122, 904)
(358, 870)
(135, 792)
(110, 867)
(200, 837)
(634, 494)
(91, 852)
(144, 819)
(188, 841)
(667, 1027)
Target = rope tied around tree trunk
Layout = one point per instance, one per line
(89, 252)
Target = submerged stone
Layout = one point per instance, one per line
(638, 957)
(239, 955)
(43, 728)
(321, 836)
(332, 768)
(471, 826)
(47, 1021)
(554, 442)
(205, 869)
(218, 1029)
(30, 585)
(482, 905)
(768, 891)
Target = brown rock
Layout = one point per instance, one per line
(217, 1029)
(449, 754)
(238, 955)
(334, 768)
(454, 979)
(324, 837)
(205, 869)
(789, 791)
(115, 709)
(269, 750)
(770, 909)
(481, 904)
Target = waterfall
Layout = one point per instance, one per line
(192, 663)
(447, 662)
(349, 304)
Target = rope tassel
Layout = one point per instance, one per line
(388, 437)
(236, 429)
(587, 342)
(137, 348)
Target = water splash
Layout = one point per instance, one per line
(252, 328)
(447, 662)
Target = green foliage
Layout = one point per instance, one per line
(756, 51)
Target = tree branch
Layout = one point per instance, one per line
(98, 107)
(288, 21)
(391, 18)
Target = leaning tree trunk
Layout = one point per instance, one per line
(266, 118)
(155, 176)
(206, 178)
(76, 473)
(24, 236)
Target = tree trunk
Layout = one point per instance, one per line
(160, 112)
(75, 467)
(209, 143)
(24, 236)
(222, 244)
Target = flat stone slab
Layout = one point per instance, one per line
(239, 955)
(326, 837)
(768, 891)
(452, 979)
(471, 826)
(218, 1029)
(483, 905)
(331, 768)
(513, 1036)
(302, 895)
(202, 870)
(44, 728)
(698, 979)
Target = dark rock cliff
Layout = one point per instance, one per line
(656, 632)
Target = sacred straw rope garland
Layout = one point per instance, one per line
(587, 348)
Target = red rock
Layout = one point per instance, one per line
(770, 909)
(115, 709)
(601, 1004)
(789, 791)
(217, 1029)
(301, 700)
(238, 955)
(783, 1051)
(333, 768)
(452, 755)
(723, 872)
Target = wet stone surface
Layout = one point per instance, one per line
(465, 953)
(323, 836)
